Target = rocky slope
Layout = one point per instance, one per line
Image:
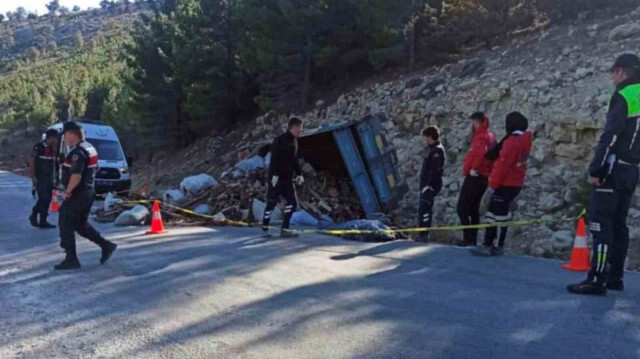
(558, 78)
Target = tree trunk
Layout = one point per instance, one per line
(307, 83)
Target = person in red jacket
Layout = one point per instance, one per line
(506, 180)
(476, 170)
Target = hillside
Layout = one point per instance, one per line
(49, 32)
(557, 77)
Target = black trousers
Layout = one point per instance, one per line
(283, 189)
(471, 193)
(44, 189)
(608, 213)
(425, 211)
(74, 215)
(499, 212)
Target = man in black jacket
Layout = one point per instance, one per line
(282, 168)
(430, 178)
(41, 165)
(614, 175)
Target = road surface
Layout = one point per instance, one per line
(224, 293)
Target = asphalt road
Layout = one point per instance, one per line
(224, 293)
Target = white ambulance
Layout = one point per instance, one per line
(113, 167)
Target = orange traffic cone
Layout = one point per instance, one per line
(55, 206)
(580, 254)
(157, 226)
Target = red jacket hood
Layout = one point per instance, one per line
(481, 141)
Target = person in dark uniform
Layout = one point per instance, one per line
(614, 174)
(430, 178)
(41, 165)
(78, 172)
(282, 168)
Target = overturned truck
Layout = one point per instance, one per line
(359, 167)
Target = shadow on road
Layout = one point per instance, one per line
(441, 304)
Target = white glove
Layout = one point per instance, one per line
(274, 181)
(299, 180)
(473, 173)
(428, 188)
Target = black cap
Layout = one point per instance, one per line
(52, 132)
(70, 125)
(626, 61)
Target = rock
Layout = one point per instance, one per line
(319, 103)
(582, 73)
(624, 31)
(573, 151)
(454, 187)
(415, 82)
(468, 85)
(634, 213)
(495, 94)
(550, 203)
(542, 84)
(569, 196)
(475, 67)
(563, 241)
(428, 91)
(543, 248)
(342, 103)
(504, 86)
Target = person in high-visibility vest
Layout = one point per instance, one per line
(614, 174)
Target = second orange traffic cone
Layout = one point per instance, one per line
(55, 206)
(580, 254)
(157, 226)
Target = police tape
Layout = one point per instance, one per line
(341, 232)
(190, 212)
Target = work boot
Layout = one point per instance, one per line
(481, 251)
(43, 222)
(497, 251)
(287, 234)
(67, 264)
(33, 218)
(617, 285)
(107, 251)
(588, 286)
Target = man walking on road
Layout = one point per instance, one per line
(476, 171)
(430, 178)
(78, 175)
(282, 168)
(41, 168)
(614, 174)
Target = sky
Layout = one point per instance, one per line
(39, 5)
